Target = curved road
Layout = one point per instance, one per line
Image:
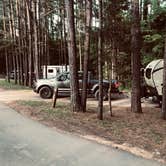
(24, 142)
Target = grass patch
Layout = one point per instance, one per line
(32, 103)
(6, 85)
(62, 111)
(104, 123)
(57, 113)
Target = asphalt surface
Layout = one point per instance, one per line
(24, 142)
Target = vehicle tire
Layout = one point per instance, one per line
(45, 92)
(155, 99)
(105, 94)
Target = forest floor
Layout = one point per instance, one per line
(142, 134)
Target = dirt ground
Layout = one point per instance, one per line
(8, 96)
(145, 131)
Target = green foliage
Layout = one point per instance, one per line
(158, 49)
(158, 20)
(153, 34)
(152, 38)
(6, 85)
(153, 47)
(147, 58)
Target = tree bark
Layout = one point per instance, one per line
(28, 6)
(109, 90)
(35, 38)
(100, 67)
(163, 112)
(135, 58)
(114, 61)
(145, 9)
(86, 52)
(65, 40)
(11, 27)
(75, 98)
(5, 31)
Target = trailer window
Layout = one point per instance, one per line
(148, 73)
(50, 71)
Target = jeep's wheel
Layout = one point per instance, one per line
(105, 94)
(45, 92)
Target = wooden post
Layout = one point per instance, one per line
(55, 97)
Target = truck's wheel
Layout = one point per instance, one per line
(105, 94)
(45, 92)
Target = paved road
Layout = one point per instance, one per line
(24, 142)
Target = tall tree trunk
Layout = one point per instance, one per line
(28, 6)
(11, 27)
(86, 52)
(75, 98)
(145, 9)
(110, 88)
(17, 7)
(65, 40)
(5, 31)
(35, 38)
(114, 61)
(24, 24)
(135, 58)
(12, 15)
(80, 6)
(100, 67)
(163, 112)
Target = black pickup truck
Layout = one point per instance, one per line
(45, 87)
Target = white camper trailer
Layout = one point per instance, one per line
(52, 70)
(153, 75)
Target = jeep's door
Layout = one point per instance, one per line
(67, 81)
(64, 81)
(64, 84)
